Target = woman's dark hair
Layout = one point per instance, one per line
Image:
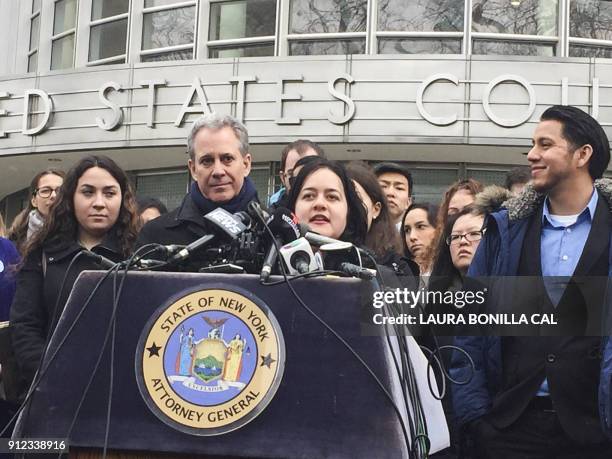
(62, 225)
(356, 226)
(444, 272)
(382, 237)
(432, 214)
(148, 203)
(18, 231)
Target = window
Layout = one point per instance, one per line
(168, 30)
(64, 32)
(590, 22)
(242, 28)
(34, 36)
(108, 33)
(327, 27)
(420, 27)
(522, 27)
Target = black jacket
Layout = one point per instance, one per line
(181, 226)
(38, 288)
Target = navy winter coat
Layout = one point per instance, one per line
(498, 255)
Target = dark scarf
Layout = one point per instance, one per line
(247, 194)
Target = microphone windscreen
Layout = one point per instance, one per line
(284, 224)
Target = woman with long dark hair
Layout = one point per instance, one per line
(324, 197)
(95, 211)
(418, 233)
(43, 193)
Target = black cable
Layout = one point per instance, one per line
(337, 336)
(116, 297)
(41, 373)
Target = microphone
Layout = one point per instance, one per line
(186, 251)
(284, 226)
(298, 257)
(223, 221)
(357, 271)
(100, 259)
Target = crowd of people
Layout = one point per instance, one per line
(525, 396)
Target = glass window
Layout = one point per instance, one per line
(168, 28)
(418, 46)
(512, 48)
(34, 30)
(242, 19)
(591, 19)
(107, 8)
(430, 184)
(33, 62)
(168, 188)
(590, 51)
(261, 179)
(35, 6)
(321, 47)
(487, 177)
(265, 49)
(65, 16)
(525, 17)
(421, 15)
(107, 40)
(324, 16)
(152, 3)
(183, 55)
(62, 53)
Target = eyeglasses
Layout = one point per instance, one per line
(472, 236)
(46, 191)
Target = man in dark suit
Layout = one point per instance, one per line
(219, 163)
(539, 396)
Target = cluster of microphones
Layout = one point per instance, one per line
(258, 241)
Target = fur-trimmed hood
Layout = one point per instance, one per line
(493, 198)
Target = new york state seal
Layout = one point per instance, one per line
(210, 362)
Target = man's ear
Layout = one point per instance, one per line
(246, 160)
(583, 155)
(191, 167)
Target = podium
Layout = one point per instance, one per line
(327, 405)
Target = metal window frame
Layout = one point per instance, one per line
(162, 50)
(211, 45)
(65, 33)
(107, 20)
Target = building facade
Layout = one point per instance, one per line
(453, 88)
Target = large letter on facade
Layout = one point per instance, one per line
(283, 97)
(436, 120)
(151, 84)
(241, 82)
(350, 112)
(117, 111)
(196, 88)
(47, 106)
(3, 112)
(504, 122)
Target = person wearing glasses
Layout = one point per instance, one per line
(290, 155)
(96, 212)
(549, 395)
(44, 189)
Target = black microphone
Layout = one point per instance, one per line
(357, 271)
(186, 251)
(284, 226)
(100, 259)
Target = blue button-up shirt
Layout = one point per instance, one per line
(560, 249)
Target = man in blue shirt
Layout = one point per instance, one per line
(539, 396)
